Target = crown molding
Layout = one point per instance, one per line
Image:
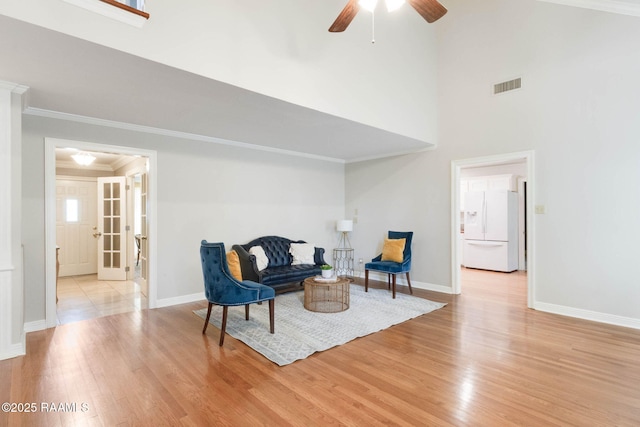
(623, 7)
(66, 164)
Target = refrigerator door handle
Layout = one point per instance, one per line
(484, 215)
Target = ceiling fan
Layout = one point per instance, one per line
(430, 10)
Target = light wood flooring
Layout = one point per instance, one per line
(86, 297)
(483, 360)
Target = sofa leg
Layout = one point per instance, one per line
(366, 280)
(246, 312)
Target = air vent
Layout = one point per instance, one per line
(507, 86)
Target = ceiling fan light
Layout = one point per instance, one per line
(394, 4)
(83, 159)
(369, 5)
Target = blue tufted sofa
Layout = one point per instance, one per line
(279, 273)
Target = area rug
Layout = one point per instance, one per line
(300, 333)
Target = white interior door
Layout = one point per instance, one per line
(111, 232)
(76, 217)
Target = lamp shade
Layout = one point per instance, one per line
(344, 225)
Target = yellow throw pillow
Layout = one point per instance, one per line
(234, 265)
(393, 250)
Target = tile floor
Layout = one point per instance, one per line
(85, 297)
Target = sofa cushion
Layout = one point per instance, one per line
(393, 250)
(302, 253)
(288, 274)
(234, 265)
(262, 260)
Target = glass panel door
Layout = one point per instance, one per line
(111, 246)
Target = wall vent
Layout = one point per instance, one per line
(507, 86)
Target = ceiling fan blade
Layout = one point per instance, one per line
(346, 16)
(430, 10)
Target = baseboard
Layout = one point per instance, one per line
(14, 350)
(401, 279)
(595, 316)
(184, 299)
(37, 325)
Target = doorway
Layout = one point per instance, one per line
(456, 173)
(148, 160)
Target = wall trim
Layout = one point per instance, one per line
(36, 325)
(14, 350)
(183, 299)
(402, 281)
(595, 316)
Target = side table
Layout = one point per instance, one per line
(326, 296)
(343, 262)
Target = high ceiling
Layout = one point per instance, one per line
(79, 78)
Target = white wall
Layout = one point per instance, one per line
(281, 49)
(578, 110)
(205, 191)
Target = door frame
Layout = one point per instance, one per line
(456, 166)
(50, 145)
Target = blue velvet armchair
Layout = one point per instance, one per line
(221, 288)
(390, 267)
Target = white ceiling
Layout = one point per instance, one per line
(81, 79)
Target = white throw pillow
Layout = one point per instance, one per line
(261, 257)
(302, 253)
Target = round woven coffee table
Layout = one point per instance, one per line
(326, 296)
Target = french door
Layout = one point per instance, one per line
(111, 229)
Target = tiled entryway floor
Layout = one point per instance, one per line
(85, 297)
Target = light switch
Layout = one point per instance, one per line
(540, 209)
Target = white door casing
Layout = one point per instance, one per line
(111, 230)
(50, 145)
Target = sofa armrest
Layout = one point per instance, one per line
(248, 264)
(318, 256)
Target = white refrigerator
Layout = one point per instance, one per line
(491, 230)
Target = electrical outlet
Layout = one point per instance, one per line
(540, 209)
(360, 261)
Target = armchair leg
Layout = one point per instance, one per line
(271, 314)
(409, 283)
(206, 321)
(366, 280)
(246, 312)
(393, 286)
(224, 324)
(389, 280)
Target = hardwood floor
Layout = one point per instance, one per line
(483, 360)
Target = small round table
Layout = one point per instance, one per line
(326, 296)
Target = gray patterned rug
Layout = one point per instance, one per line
(300, 333)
